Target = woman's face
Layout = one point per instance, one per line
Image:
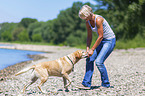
(87, 18)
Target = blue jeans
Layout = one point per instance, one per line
(99, 56)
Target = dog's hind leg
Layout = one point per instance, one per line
(43, 80)
(43, 76)
(30, 83)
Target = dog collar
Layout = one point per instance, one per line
(71, 62)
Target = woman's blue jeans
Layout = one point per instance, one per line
(99, 56)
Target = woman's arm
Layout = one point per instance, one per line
(99, 24)
(89, 36)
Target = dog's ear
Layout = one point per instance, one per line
(78, 54)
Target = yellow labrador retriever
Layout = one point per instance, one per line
(61, 67)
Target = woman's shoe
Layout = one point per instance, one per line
(83, 87)
(102, 87)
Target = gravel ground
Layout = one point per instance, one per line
(126, 70)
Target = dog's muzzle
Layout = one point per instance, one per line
(85, 55)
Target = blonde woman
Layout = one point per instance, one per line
(101, 49)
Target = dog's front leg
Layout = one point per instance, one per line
(65, 76)
(65, 82)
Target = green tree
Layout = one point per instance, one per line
(16, 32)
(37, 38)
(23, 36)
(34, 28)
(125, 16)
(77, 39)
(48, 34)
(25, 22)
(6, 36)
(67, 23)
(6, 31)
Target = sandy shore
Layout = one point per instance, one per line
(126, 70)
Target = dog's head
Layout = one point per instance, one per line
(81, 54)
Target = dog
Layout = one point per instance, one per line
(61, 67)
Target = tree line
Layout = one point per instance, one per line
(126, 17)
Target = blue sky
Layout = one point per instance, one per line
(42, 10)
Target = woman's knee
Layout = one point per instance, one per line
(99, 63)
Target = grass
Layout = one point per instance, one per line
(137, 42)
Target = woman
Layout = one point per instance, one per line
(102, 48)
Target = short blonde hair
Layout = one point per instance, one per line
(85, 11)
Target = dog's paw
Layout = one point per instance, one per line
(66, 90)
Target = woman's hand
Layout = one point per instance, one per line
(87, 49)
(90, 53)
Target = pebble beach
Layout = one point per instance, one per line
(126, 70)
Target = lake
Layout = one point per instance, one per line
(10, 57)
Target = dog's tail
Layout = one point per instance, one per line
(25, 70)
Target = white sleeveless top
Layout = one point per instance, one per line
(107, 31)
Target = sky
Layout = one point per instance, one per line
(42, 10)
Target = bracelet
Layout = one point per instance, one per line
(92, 49)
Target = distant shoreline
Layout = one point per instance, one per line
(31, 47)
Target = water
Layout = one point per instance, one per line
(10, 57)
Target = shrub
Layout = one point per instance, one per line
(6, 36)
(37, 38)
(23, 36)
